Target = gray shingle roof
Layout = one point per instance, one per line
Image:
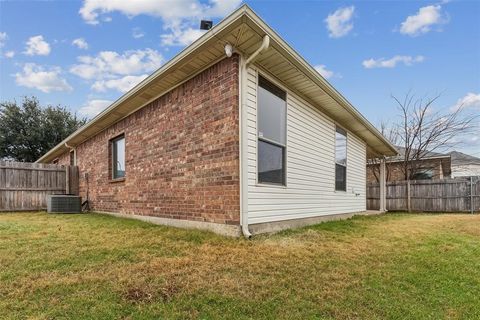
(459, 158)
(428, 154)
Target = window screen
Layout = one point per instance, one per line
(270, 163)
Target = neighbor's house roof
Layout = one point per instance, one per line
(452, 160)
(445, 160)
(427, 155)
(462, 159)
(244, 30)
(457, 158)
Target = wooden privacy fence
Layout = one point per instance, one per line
(25, 186)
(446, 195)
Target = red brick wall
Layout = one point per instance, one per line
(64, 159)
(182, 154)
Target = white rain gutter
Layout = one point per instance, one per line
(243, 133)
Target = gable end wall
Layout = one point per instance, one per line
(310, 165)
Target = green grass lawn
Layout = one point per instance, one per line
(91, 266)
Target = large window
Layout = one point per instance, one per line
(340, 159)
(272, 108)
(118, 157)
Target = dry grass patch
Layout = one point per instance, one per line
(95, 266)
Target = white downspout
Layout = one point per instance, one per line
(264, 46)
(243, 150)
(74, 153)
(243, 134)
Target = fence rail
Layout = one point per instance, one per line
(446, 195)
(24, 186)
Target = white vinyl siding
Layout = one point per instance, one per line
(310, 166)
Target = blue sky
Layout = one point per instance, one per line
(85, 54)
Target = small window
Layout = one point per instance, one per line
(340, 159)
(118, 157)
(272, 110)
(423, 174)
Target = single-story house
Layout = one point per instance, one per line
(235, 134)
(432, 165)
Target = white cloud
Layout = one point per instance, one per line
(37, 46)
(470, 100)
(93, 107)
(9, 54)
(181, 18)
(392, 62)
(179, 37)
(137, 33)
(110, 70)
(322, 69)
(109, 64)
(41, 78)
(80, 43)
(423, 20)
(3, 39)
(167, 10)
(121, 84)
(340, 23)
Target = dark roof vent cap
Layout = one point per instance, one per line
(206, 25)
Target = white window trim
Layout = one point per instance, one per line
(335, 158)
(259, 73)
(112, 163)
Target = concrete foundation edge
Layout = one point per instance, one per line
(276, 226)
(235, 230)
(222, 229)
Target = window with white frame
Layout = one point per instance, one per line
(340, 159)
(272, 112)
(118, 157)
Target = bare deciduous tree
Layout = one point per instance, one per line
(422, 129)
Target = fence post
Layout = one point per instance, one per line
(409, 204)
(383, 185)
(67, 180)
(471, 196)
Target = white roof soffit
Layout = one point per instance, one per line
(243, 29)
